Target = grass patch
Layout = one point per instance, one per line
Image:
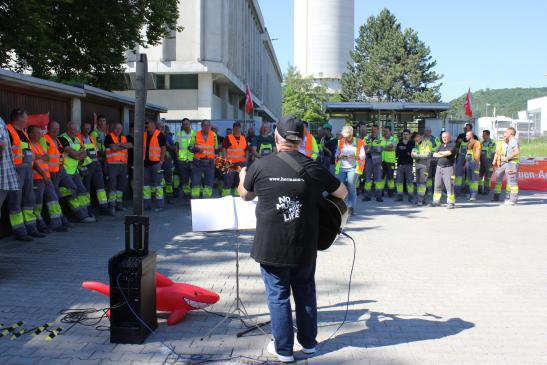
(534, 148)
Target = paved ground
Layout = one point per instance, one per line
(431, 286)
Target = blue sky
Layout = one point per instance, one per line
(477, 44)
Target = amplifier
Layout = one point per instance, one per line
(133, 272)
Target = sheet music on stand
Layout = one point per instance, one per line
(227, 214)
(223, 214)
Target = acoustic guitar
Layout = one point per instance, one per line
(333, 212)
(225, 166)
(333, 216)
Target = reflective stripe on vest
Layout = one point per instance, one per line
(236, 152)
(41, 159)
(184, 139)
(154, 149)
(207, 147)
(55, 159)
(18, 146)
(117, 156)
(71, 164)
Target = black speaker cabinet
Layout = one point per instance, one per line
(133, 274)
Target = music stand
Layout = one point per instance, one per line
(227, 214)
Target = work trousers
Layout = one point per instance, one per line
(203, 174)
(167, 181)
(184, 170)
(152, 186)
(422, 172)
(44, 193)
(373, 172)
(93, 178)
(66, 189)
(231, 181)
(388, 169)
(279, 281)
(485, 174)
(405, 175)
(511, 173)
(117, 183)
(431, 177)
(349, 177)
(459, 183)
(472, 174)
(21, 203)
(444, 177)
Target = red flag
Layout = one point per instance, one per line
(468, 109)
(248, 101)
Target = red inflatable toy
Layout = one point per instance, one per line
(176, 298)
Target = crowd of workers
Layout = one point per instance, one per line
(49, 177)
(423, 165)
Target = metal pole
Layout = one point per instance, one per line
(138, 148)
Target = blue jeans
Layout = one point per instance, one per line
(278, 282)
(349, 177)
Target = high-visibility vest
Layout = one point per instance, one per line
(70, 164)
(463, 148)
(90, 148)
(265, 149)
(236, 152)
(154, 149)
(41, 159)
(184, 140)
(359, 164)
(117, 156)
(207, 146)
(435, 142)
(488, 148)
(422, 148)
(18, 146)
(99, 137)
(375, 147)
(311, 149)
(389, 156)
(55, 158)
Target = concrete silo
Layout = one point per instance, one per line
(323, 38)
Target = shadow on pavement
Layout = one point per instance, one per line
(384, 329)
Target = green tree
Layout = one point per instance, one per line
(80, 39)
(390, 64)
(303, 97)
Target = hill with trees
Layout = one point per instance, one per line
(508, 102)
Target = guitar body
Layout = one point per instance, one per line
(333, 215)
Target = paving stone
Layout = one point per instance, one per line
(430, 286)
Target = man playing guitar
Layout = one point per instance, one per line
(289, 187)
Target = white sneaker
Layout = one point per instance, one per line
(308, 351)
(88, 220)
(282, 358)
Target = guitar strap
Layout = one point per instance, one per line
(289, 160)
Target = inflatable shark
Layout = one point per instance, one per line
(175, 298)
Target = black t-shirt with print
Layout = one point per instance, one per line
(287, 213)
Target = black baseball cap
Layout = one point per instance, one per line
(291, 128)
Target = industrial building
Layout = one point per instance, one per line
(323, 39)
(202, 71)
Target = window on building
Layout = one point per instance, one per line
(160, 82)
(183, 81)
